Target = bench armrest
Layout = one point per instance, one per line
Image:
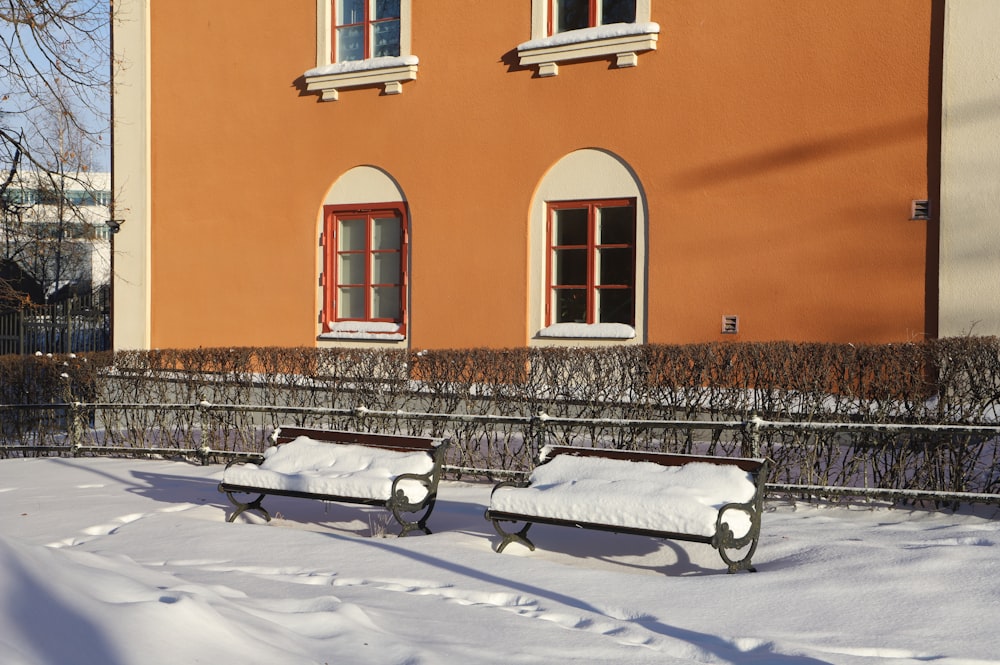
(398, 495)
(724, 532)
(429, 481)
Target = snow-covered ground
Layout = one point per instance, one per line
(130, 562)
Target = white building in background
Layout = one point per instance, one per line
(54, 226)
(969, 262)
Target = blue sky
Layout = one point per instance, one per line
(84, 42)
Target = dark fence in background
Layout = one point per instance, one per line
(899, 420)
(80, 324)
(947, 465)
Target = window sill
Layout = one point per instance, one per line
(588, 331)
(622, 40)
(388, 72)
(367, 331)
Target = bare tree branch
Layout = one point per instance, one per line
(54, 60)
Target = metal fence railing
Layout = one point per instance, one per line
(946, 464)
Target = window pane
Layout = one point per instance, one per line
(351, 303)
(385, 268)
(615, 306)
(385, 302)
(386, 39)
(570, 227)
(351, 269)
(351, 11)
(570, 267)
(386, 9)
(617, 11)
(352, 235)
(569, 306)
(617, 226)
(571, 15)
(385, 233)
(351, 43)
(615, 266)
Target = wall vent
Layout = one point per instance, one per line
(730, 324)
(920, 209)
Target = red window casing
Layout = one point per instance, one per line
(365, 264)
(588, 13)
(590, 266)
(364, 25)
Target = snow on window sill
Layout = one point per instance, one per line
(389, 72)
(622, 40)
(588, 331)
(376, 331)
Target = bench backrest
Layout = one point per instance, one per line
(749, 464)
(399, 442)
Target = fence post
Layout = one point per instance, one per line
(68, 342)
(73, 428)
(541, 435)
(753, 427)
(207, 429)
(359, 416)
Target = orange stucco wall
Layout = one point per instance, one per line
(778, 143)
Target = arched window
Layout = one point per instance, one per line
(364, 262)
(588, 222)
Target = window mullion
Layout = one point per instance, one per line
(404, 275)
(549, 259)
(330, 275)
(369, 261)
(592, 254)
(368, 28)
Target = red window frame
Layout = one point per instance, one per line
(331, 282)
(592, 285)
(367, 22)
(592, 22)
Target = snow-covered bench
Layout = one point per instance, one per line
(712, 500)
(400, 473)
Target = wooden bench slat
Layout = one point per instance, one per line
(399, 442)
(749, 464)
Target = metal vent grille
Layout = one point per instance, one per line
(920, 209)
(730, 324)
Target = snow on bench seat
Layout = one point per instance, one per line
(636, 495)
(316, 467)
(713, 500)
(398, 472)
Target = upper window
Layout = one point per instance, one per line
(565, 15)
(591, 262)
(364, 271)
(362, 43)
(568, 30)
(366, 29)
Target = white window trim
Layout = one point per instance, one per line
(328, 77)
(624, 41)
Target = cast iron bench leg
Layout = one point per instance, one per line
(408, 525)
(513, 537)
(251, 505)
